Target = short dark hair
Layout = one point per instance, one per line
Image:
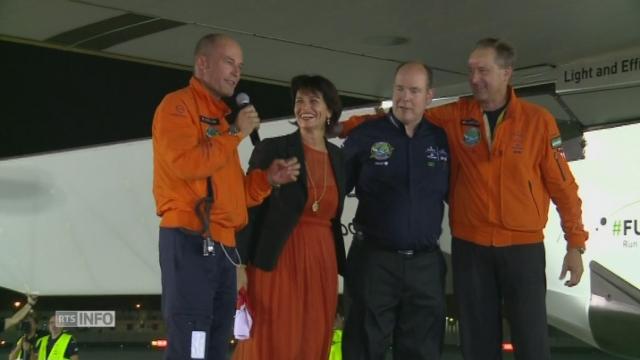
(505, 53)
(322, 85)
(425, 66)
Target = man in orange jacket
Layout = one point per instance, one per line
(202, 195)
(507, 163)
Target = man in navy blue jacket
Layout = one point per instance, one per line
(399, 166)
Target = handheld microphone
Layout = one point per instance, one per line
(242, 101)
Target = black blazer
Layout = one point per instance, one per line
(261, 242)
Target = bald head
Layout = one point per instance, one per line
(208, 42)
(416, 65)
(411, 92)
(218, 63)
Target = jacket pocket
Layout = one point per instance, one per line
(533, 198)
(521, 199)
(438, 176)
(380, 174)
(520, 207)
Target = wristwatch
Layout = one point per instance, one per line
(581, 249)
(234, 130)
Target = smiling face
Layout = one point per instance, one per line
(311, 110)
(487, 78)
(219, 66)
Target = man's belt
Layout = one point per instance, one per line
(360, 237)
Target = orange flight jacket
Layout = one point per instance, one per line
(501, 184)
(191, 143)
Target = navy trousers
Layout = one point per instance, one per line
(397, 300)
(488, 280)
(198, 297)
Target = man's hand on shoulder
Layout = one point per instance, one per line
(343, 128)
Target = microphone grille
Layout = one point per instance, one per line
(242, 99)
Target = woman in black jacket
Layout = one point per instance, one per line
(293, 244)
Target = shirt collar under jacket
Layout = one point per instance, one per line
(203, 93)
(399, 125)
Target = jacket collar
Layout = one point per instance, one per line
(513, 104)
(203, 95)
(400, 126)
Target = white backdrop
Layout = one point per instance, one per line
(83, 222)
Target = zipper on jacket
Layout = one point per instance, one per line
(533, 198)
(559, 167)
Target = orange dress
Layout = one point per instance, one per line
(294, 305)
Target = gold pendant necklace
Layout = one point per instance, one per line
(315, 207)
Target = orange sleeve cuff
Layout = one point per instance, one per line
(257, 187)
(577, 241)
(352, 123)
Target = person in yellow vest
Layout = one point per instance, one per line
(25, 346)
(58, 345)
(336, 341)
(336, 345)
